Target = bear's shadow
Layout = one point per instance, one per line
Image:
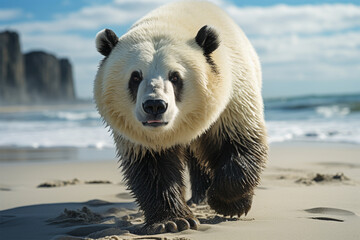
(92, 219)
(97, 219)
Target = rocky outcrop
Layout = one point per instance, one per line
(66, 78)
(35, 77)
(12, 81)
(42, 76)
(48, 78)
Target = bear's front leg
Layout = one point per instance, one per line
(235, 171)
(156, 181)
(232, 188)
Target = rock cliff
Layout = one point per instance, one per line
(66, 78)
(35, 77)
(12, 81)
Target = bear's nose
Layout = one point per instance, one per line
(155, 106)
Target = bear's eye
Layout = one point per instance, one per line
(177, 82)
(134, 82)
(136, 77)
(174, 77)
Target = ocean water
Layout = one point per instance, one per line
(69, 126)
(333, 118)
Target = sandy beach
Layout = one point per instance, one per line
(308, 191)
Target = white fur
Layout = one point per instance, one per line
(163, 41)
(156, 88)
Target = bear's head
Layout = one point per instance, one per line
(159, 90)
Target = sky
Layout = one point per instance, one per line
(305, 47)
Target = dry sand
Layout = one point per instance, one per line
(308, 191)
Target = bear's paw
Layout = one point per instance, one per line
(173, 225)
(230, 207)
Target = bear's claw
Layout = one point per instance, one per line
(174, 225)
(194, 223)
(155, 228)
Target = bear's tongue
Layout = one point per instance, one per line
(154, 121)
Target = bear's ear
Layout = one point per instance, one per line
(106, 40)
(208, 39)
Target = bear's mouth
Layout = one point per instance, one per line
(154, 123)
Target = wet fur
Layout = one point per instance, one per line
(162, 172)
(220, 132)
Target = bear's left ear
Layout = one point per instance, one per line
(106, 40)
(208, 39)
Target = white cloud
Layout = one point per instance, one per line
(337, 47)
(305, 19)
(88, 18)
(318, 45)
(120, 12)
(9, 14)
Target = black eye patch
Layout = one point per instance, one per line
(177, 82)
(134, 82)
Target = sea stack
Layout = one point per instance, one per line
(36, 77)
(12, 81)
(48, 78)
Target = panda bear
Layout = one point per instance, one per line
(182, 88)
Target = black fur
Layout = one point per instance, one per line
(234, 170)
(199, 179)
(156, 181)
(212, 64)
(134, 82)
(208, 39)
(178, 85)
(108, 43)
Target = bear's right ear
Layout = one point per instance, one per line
(208, 39)
(106, 40)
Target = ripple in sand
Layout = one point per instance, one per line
(97, 203)
(330, 211)
(124, 195)
(327, 219)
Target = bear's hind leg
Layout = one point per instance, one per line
(199, 179)
(156, 181)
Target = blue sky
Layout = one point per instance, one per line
(306, 47)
